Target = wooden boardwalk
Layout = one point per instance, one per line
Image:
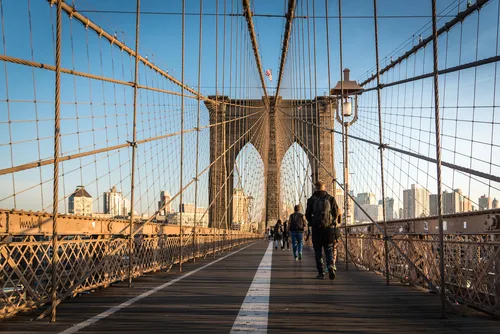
(209, 300)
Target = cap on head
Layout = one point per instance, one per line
(320, 185)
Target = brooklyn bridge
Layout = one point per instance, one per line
(148, 148)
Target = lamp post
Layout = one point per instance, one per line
(346, 94)
(250, 208)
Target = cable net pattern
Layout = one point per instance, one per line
(400, 199)
(138, 171)
(119, 160)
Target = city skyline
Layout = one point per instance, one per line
(417, 206)
(91, 123)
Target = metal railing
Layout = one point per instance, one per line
(471, 262)
(93, 253)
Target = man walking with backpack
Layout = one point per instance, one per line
(322, 214)
(297, 225)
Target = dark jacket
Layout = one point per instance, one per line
(286, 230)
(333, 205)
(278, 231)
(298, 222)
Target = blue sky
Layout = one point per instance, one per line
(107, 121)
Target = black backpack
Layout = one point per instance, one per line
(297, 222)
(322, 216)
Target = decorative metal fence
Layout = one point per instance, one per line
(94, 257)
(472, 263)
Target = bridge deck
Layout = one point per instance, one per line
(209, 301)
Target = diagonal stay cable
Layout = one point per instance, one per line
(251, 30)
(368, 215)
(412, 154)
(424, 42)
(284, 49)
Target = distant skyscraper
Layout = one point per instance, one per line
(339, 198)
(495, 204)
(165, 198)
(189, 208)
(80, 202)
(415, 202)
(366, 198)
(389, 208)
(466, 204)
(188, 219)
(373, 210)
(115, 204)
(452, 202)
(485, 203)
(125, 207)
(433, 204)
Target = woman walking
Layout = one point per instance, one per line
(286, 236)
(278, 234)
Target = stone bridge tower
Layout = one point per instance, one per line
(272, 132)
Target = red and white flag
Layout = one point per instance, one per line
(269, 75)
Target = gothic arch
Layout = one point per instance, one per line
(269, 131)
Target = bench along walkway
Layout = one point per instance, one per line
(257, 289)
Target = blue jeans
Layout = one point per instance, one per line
(297, 238)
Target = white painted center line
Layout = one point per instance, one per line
(254, 311)
(129, 302)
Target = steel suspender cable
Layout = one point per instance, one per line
(381, 149)
(438, 158)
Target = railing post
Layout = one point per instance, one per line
(413, 257)
(195, 253)
(496, 250)
(438, 157)
(57, 130)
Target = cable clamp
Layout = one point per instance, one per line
(383, 146)
(132, 144)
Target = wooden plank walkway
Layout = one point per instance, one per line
(208, 301)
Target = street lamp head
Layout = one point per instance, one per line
(345, 91)
(346, 87)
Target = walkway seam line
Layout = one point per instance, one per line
(129, 302)
(254, 312)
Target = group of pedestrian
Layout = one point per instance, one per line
(322, 219)
(281, 234)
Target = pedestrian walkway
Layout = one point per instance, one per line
(255, 288)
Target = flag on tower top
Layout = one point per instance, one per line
(269, 75)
